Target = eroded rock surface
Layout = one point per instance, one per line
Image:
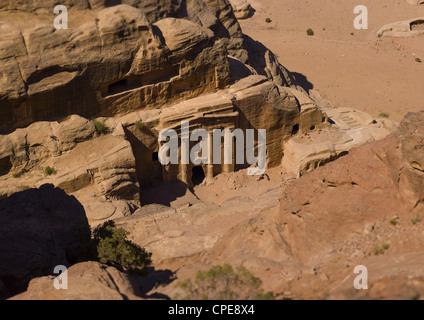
(405, 28)
(86, 281)
(326, 223)
(115, 59)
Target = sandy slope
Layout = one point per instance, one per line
(356, 70)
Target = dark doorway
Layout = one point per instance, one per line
(155, 156)
(198, 175)
(118, 87)
(5, 166)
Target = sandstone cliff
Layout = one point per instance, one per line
(114, 59)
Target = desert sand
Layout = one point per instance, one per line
(351, 68)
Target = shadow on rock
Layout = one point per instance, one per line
(153, 280)
(302, 81)
(38, 228)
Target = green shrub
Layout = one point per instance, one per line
(140, 125)
(114, 249)
(415, 220)
(310, 32)
(100, 127)
(109, 245)
(268, 20)
(224, 283)
(384, 115)
(49, 171)
(393, 222)
(380, 249)
(418, 60)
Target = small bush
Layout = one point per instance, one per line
(384, 115)
(140, 125)
(100, 127)
(393, 222)
(310, 32)
(224, 283)
(415, 220)
(268, 20)
(418, 60)
(49, 171)
(114, 249)
(380, 249)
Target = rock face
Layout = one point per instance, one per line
(116, 63)
(120, 58)
(38, 227)
(100, 167)
(132, 55)
(103, 170)
(86, 281)
(252, 103)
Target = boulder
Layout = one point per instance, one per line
(86, 281)
(242, 9)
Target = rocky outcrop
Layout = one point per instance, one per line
(86, 281)
(105, 171)
(98, 169)
(252, 103)
(406, 28)
(242, 9)
(115, 62)
(38, 228)
(315, 147)
(118, 59)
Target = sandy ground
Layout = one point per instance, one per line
(351, 68)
